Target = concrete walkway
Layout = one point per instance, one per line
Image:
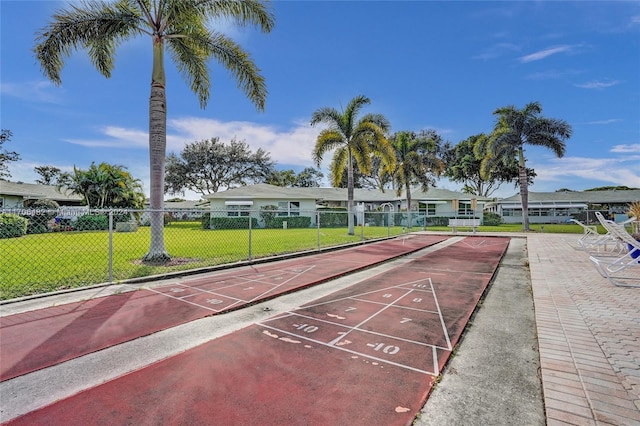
(588, 335)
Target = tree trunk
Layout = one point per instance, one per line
(350, 194)
(157, 152)
(524, 191)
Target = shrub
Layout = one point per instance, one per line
(267, 213)
(333, 217)
(206, 220)
(233, 222)
(12, 225)
(41, 212)
(292, 222)
(491, 219)
(91, 222)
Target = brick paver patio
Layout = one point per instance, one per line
(588, 334)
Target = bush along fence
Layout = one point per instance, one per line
(48, 250)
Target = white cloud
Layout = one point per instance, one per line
(630, 148)
(117, 137)
(290, 146)
(615, 171)
(598, 84)
(496, 51)
(40, 91)
(541, 54)
(608, 121)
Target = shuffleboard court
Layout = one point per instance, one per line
(45, 337)
(367, 354)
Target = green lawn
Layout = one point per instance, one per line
(46, 262)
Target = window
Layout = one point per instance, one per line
(289, 208)
(1, 202)
(236, 210)
(464, 209)
(431, 209)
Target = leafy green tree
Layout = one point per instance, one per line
(308, 178)
(49, 175)
(6, 156)
(464, 162)
(181, 28)
(352, 139)
(210, 165)
(418, 162)
(516, 128)
(104, 186)
(284, 178)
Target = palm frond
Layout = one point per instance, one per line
(338, 165)
(328, 140)
(327, 115)
(97, 26)
(241, 66)
(246, 12)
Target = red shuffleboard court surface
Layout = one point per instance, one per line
(365, 355)
(33, 340)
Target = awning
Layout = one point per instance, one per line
(238, 203)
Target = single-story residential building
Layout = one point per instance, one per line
(559, 207)
(14, 195)
(248, 200)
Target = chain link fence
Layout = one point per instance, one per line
(48, 250)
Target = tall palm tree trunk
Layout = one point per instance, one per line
(524, 190)
(350, 209)
(157, 152)
(408, 191)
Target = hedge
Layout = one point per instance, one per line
(12, 225)
(333, 218)
(232, 222)
(292, 222)
(90, 222)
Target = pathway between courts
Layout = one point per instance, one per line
(45, 337)
(368, 354)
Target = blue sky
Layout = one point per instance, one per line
(425, 65)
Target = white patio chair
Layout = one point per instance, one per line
(590, 238)
(623, 270)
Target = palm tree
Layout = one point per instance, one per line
(351, 140)
(104, 185)
(515, 128)
(418, 162)
(181, 27)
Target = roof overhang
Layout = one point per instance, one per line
(238, 203)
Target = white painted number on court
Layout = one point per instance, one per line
(306, 328)
(214, 301)
(387, 349)
(405, 320)
(350, 309)
(417, 300)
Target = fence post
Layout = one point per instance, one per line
(110, 245)
(249, 237)
(318, 226)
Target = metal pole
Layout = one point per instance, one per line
(110, 245)
(249, 235)
(318, 226)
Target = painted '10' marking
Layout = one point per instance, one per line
(306, 328)
(387, 349)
